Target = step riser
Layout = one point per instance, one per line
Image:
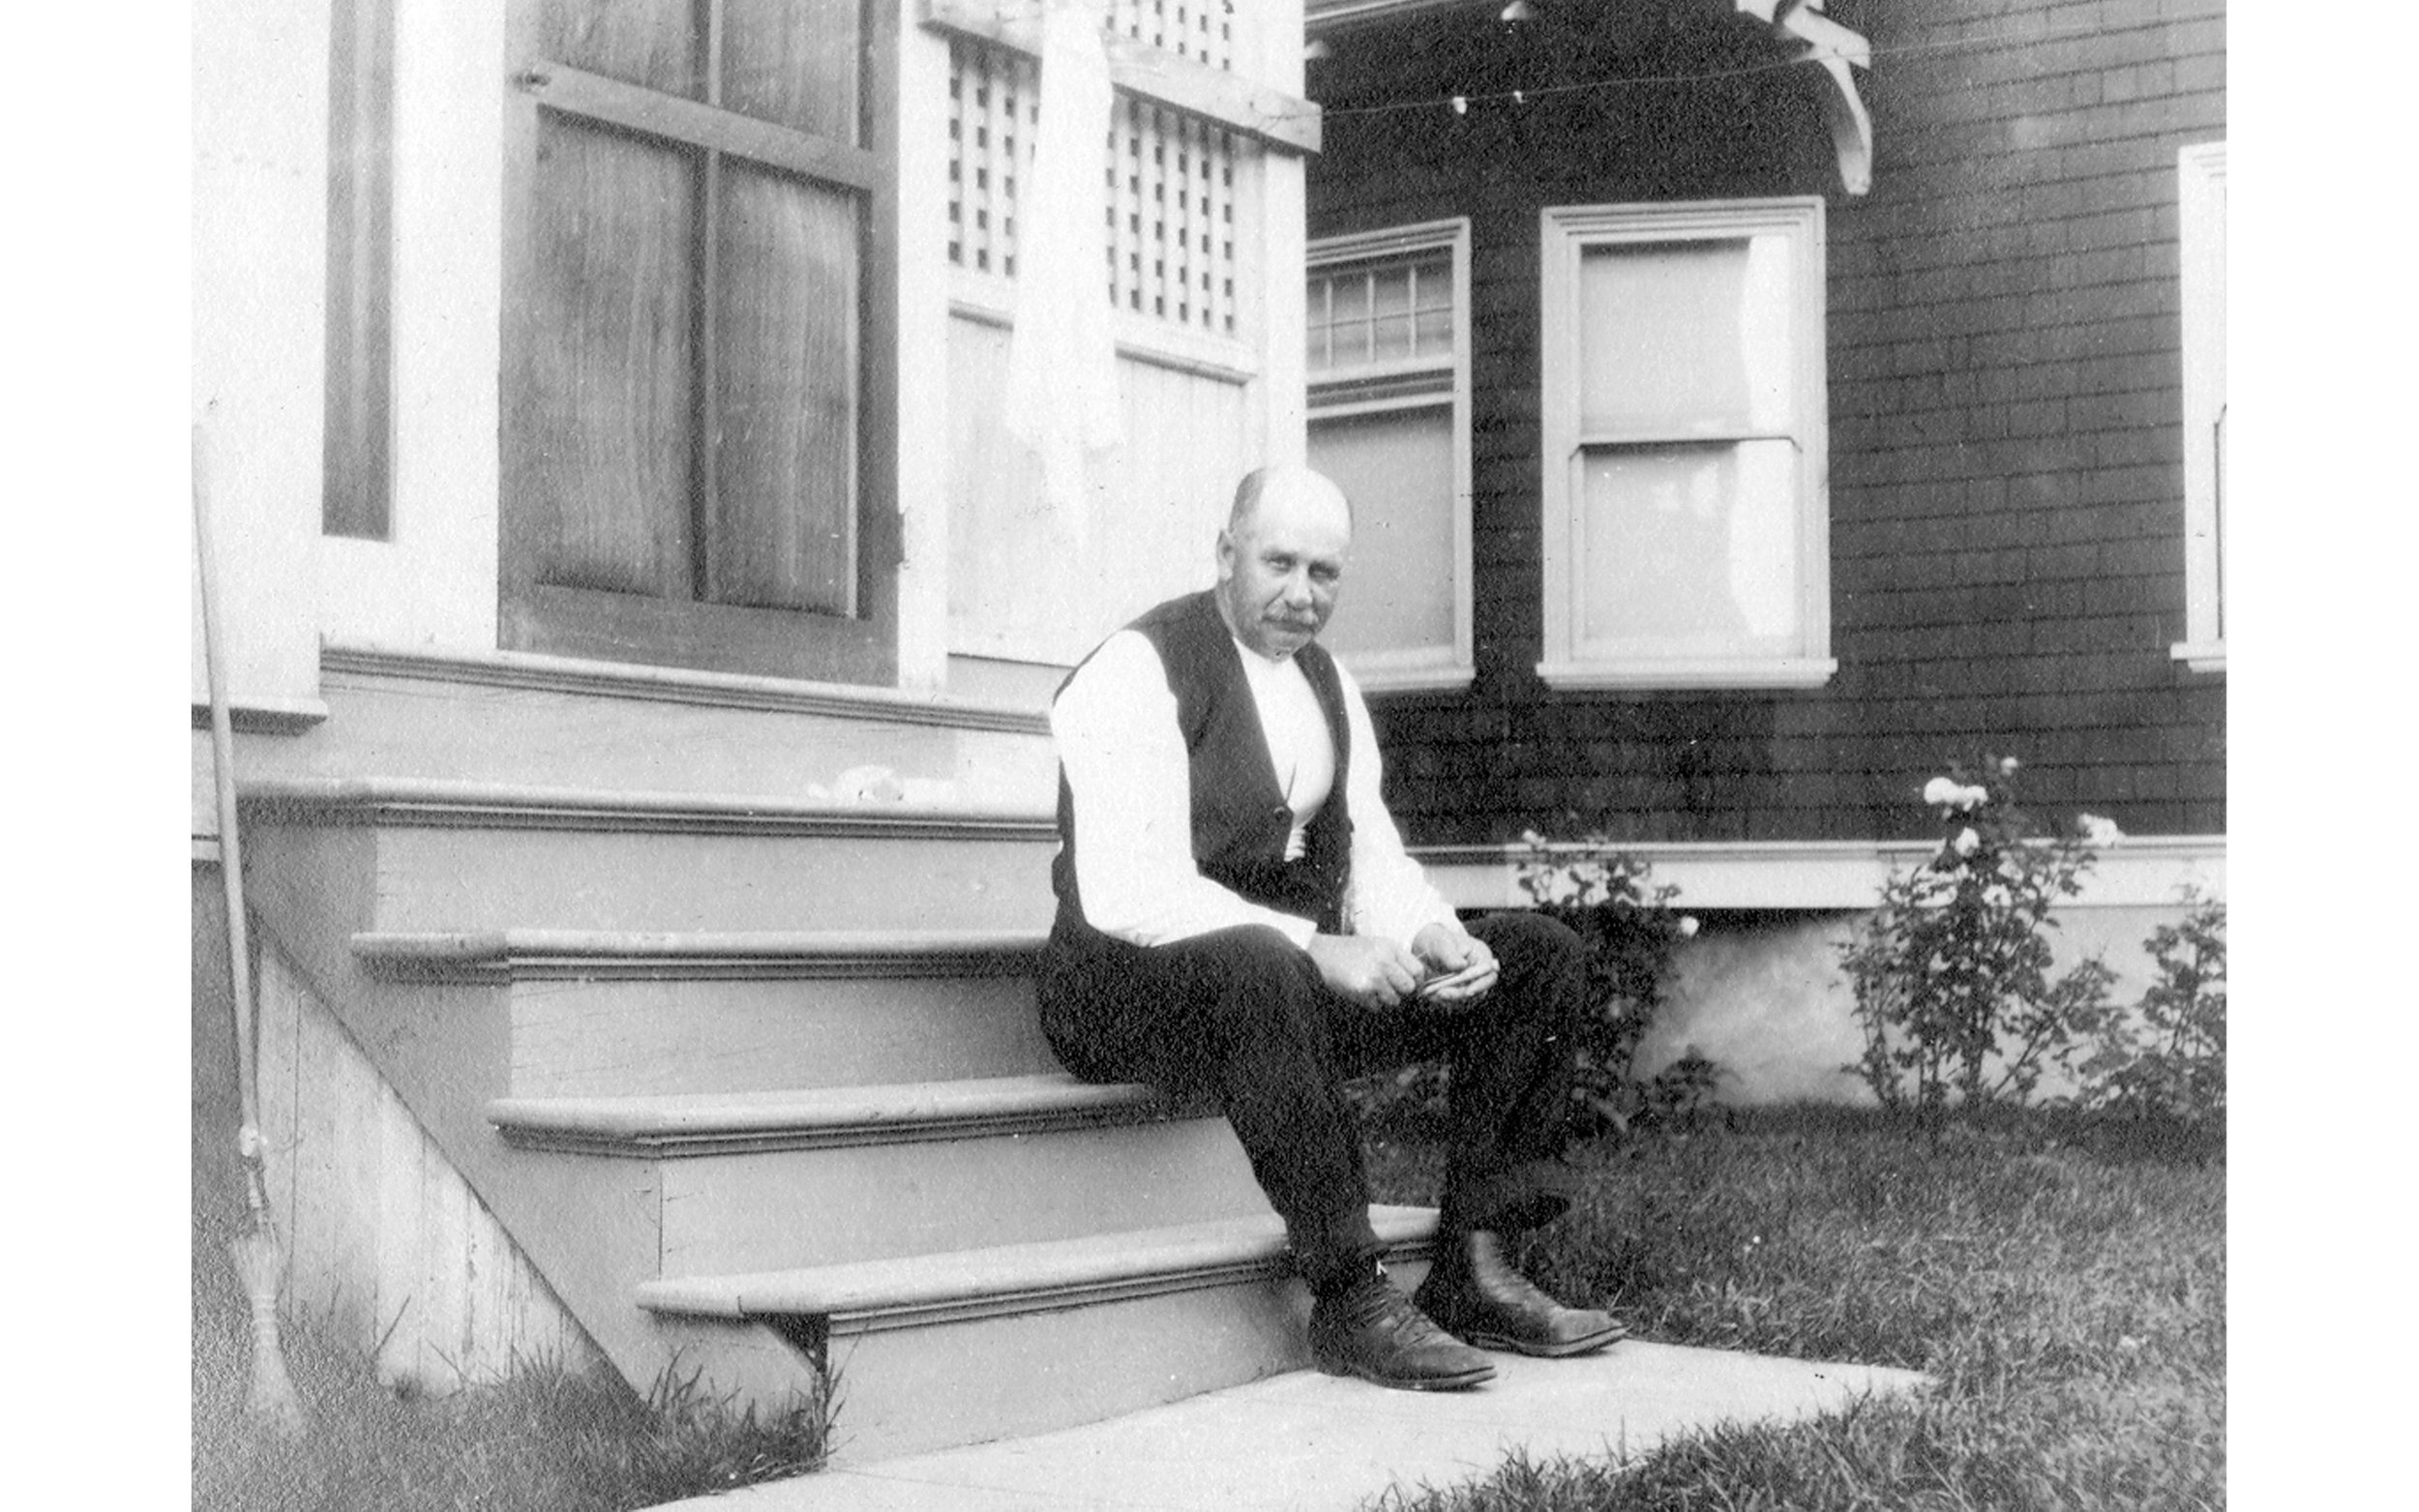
(743, 1212)
(607, 1038)
(413, 727)
(904, 1391)
(466, 879)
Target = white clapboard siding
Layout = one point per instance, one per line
(1022, 584)
(386, 1245)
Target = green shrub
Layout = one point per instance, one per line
(2167, 1060)
(1625, 919)
(1953, 992)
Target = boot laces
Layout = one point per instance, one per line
(1496, 1277)
(1378, 1303)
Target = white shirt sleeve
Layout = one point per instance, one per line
(1124, 755)
(1391, 897)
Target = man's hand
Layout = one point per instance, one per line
(1375, 973)
(1459, 964)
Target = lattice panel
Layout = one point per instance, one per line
(1170, 178)
(1201, 30)
(995, 98)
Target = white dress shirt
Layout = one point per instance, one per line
(1127, 766)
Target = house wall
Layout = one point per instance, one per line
(2006, 552)
(260, 234)
(1761, 995)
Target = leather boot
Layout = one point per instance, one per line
(1371, 1330)
(1474, 1292)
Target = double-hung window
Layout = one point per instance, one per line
(1389, 376)
(2200, 234)
(1686, 531)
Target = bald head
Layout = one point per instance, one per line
(1290, 486)
(1280, 558)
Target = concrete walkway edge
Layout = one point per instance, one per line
(1318, 1443)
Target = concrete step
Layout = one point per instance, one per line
(831, 1176)
(513, 716)
(605, 1013)
(975, 1344)
(469, 856)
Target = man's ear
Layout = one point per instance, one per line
(1226, 555)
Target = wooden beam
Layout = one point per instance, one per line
(1153, 74)
(562, 87)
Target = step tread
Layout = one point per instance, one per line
(373, 662)
(967, 949)
(976, 1105)
(1045, 1274)
(472, 801)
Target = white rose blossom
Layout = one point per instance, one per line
(1973, 797)
(1966, 843)
(2007, 766)
(1687, 924)
(1940, 792)
(2098, 831)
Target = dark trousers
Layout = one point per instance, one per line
(1242, 1017)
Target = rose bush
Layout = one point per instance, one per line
(1955, 996)
(1626, 919)
(2166, 1060)
(1610, 899)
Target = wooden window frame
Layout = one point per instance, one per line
(1376, 388)
(1567, 232)
(2200, 253)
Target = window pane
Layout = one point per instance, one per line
(1317, 320)
(1390, 308)
(1381, 312)
(1389, 291)
(1397, 469)
(1349, 333)
(1687, 337)
(1690, 549)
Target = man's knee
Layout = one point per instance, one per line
(1532, 943)
(1252, 967)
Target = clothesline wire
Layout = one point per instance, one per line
(1813, 54)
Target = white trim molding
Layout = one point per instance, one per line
(1786, 403)
(2200, 249)
(1826, 875)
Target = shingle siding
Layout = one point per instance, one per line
(2006, 551)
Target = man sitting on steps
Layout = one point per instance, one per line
(1237, 917)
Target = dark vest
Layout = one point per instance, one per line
(1240, 820)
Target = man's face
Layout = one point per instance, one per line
(1278, 570)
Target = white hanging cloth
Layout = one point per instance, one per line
(1062, 378)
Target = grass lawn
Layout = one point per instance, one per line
(2064, 1283)
(543, 1440)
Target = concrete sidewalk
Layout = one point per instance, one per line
(1323, 1444)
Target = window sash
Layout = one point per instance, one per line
(1655, 573)
(1406, 624)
